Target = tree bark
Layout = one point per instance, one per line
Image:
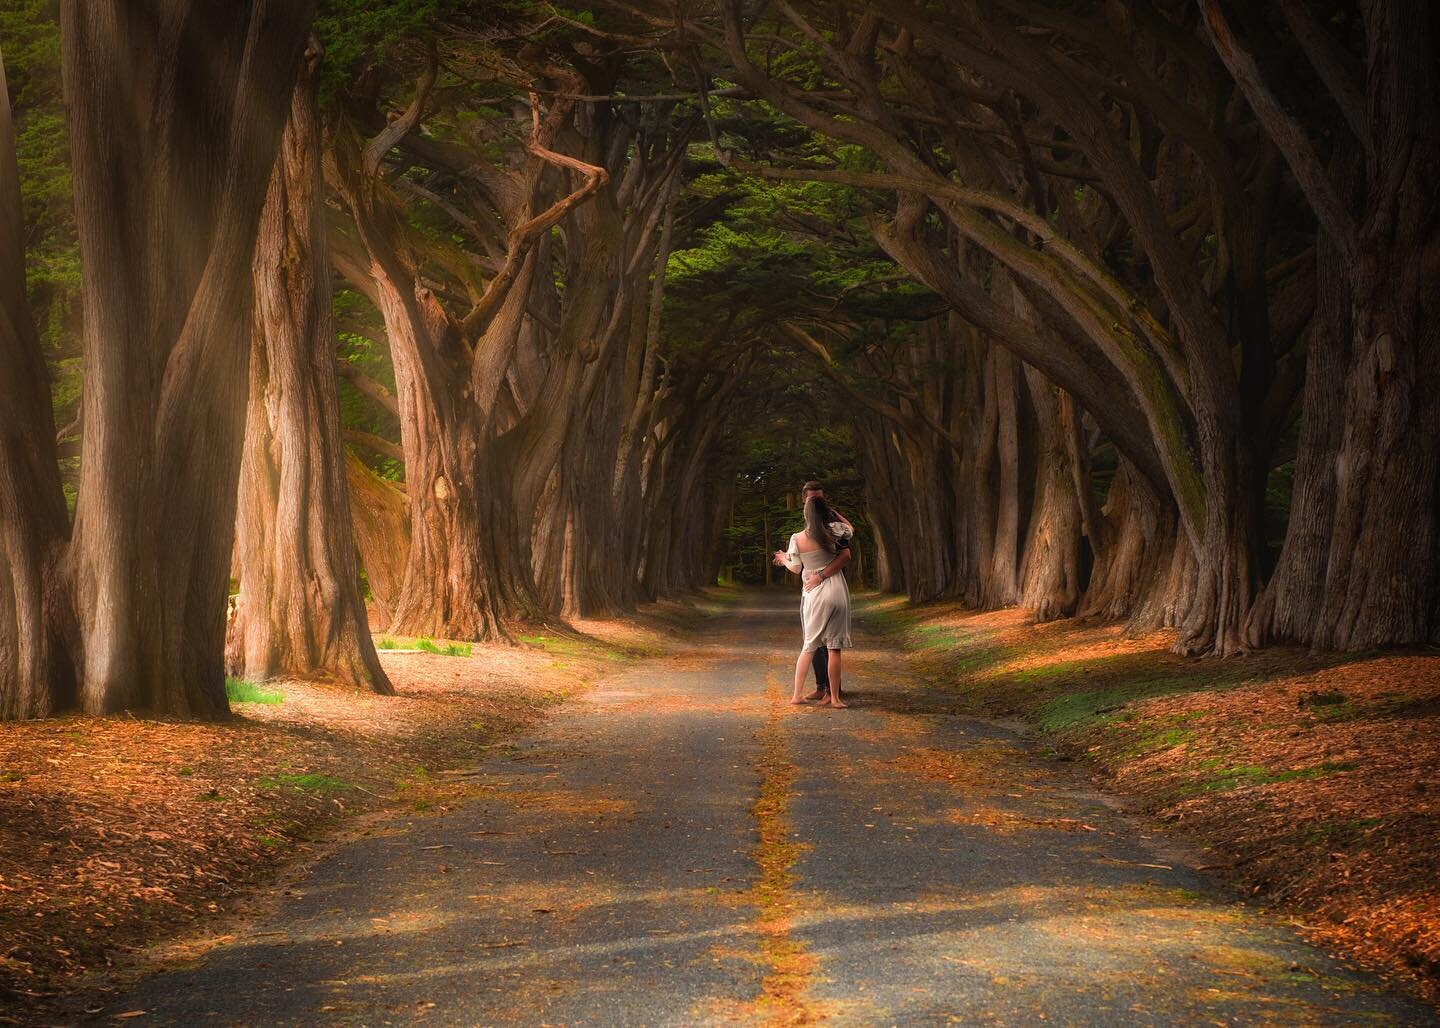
(300, 613)
(1132, 570)
(381, 518)
(1383, 579)
(1289, 607)
(1000, 586)
(1361, 566)
(476, 470)
(175, 115)
(37, 668)
(1050, 580)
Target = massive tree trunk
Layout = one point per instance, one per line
(175, 115)
(380, 515)
(1378, 465)
(1290, 605)
(37, 669)
(882, 491)
(1050, 580)
(1384, 569)
(1132, 565)
(469, 570)
(300, 613)
(484, 400)
(1000, 475)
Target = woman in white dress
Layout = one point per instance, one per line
(825, 603)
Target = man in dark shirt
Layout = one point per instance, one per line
(821, 660)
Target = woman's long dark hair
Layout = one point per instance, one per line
(818, 516)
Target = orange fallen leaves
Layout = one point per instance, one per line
(1316, 778)
(116, 831)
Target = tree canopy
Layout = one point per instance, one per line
(1099, 309)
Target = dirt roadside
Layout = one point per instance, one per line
(1313, 781)
(117, 834)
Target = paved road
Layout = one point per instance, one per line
(682, 847)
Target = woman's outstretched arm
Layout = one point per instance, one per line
(789, 558)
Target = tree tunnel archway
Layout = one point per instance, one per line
(1124, 311)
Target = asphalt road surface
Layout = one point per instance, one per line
(682, 847)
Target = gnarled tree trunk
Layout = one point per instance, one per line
(1384, 569)
(1132, 567)
(1050, 581)
(37, 669)
(1000, 475)
(300, 613)
(175, 115)
(380, 515)
(1378, 464)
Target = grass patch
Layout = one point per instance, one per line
(927, 637)
(310, 782)
(1238, 777)
(237, 691)
(1087, 709)
(444, 649)
(427, 645)
(1157, 741)
(551, 644)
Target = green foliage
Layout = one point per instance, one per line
(550, 644)
(1237, 777)
(238, 691)
(1074, 710)
(30, 38)
(360, 33)
(444, 649)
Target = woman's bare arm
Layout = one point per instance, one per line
(784, 558)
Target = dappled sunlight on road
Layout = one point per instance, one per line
(681, 845)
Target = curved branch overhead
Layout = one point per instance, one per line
(1120, 308)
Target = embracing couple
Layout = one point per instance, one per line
(818, 555)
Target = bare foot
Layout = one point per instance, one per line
(818, 694)
(837, 704)
(797, 701)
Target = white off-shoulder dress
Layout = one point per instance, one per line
(824, 610)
